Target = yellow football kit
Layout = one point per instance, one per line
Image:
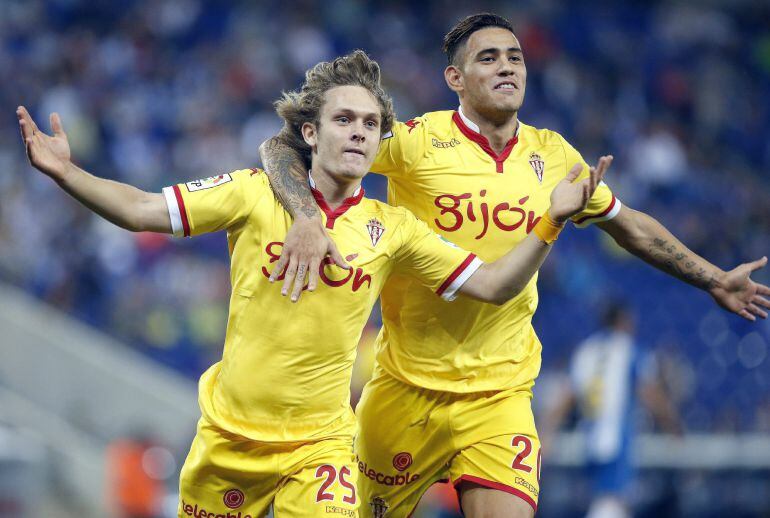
(276, 420)
(467, 354)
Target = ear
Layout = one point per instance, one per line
(310, 134)
(454, 79)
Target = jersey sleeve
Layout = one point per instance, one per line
(603, 205)
(437, 263)
(215, 203)
(401, 148)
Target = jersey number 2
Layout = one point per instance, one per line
(518, 461)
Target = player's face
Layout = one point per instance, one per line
(493, 75)
(348, 134)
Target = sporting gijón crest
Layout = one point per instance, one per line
(537, 165)
(375, 229)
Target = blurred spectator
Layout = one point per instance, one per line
(136, 473)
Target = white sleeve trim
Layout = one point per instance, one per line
(173, 212)
(606, 217)
(451, 292)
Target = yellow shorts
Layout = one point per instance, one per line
(409, 438)
(229, 476)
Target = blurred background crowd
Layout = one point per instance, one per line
(155, 93)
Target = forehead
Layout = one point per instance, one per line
(490, 38)
(354, 98)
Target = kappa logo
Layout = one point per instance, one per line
(445, 144)
(208, 183)
(537, 165)
(376, 230)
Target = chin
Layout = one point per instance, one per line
(353, 173)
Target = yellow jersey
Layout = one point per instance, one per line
(444, 171)
(286, 367)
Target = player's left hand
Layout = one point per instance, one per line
(736, 292)
(570, 196)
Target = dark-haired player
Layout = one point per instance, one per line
(450, 396)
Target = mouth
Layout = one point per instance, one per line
(355, 151)
(506, 86)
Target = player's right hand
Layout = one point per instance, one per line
(49, 154)
(571, 197)
(305, 247)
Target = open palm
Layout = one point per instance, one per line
(736, 291)
(49, 154)
(570, 196)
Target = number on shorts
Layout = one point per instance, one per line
(330, 473)
(523, 454)
(351, 498)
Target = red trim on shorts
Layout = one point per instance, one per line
(449, 280)
(182, 211)
(495, 485)
(604, 213)
(483, 143)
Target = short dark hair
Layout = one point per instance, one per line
(304, 105)
(460, 33)
(614, 313)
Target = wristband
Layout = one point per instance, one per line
(547, 229)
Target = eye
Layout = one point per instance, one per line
(487, 59)
(343, 119)
(371, 124)
(515, 59)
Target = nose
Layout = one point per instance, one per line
(357, 134)
(506, 69)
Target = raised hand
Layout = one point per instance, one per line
(736, 292)
(570, 197)
(305, 247)
(49, 154)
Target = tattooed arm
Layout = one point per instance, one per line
(306, 243)
(288, 177)
(647, 239)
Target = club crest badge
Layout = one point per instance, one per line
(537, 165)
(376, 230)
(379, 507)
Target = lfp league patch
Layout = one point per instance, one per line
(208, 183)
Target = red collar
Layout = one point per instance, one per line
(332, 215)
(482, 141)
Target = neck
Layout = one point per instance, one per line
(335, 189)
(497, 129)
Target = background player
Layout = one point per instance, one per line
(445, 167)
(277, 426)
(608, 373)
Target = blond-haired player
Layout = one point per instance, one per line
(276, 425)
(450, 397)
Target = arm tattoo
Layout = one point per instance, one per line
(666, 257)
(288, 177)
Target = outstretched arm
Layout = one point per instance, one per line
(647, 239)
(121, 204)
(505, 278)
(306, 243)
